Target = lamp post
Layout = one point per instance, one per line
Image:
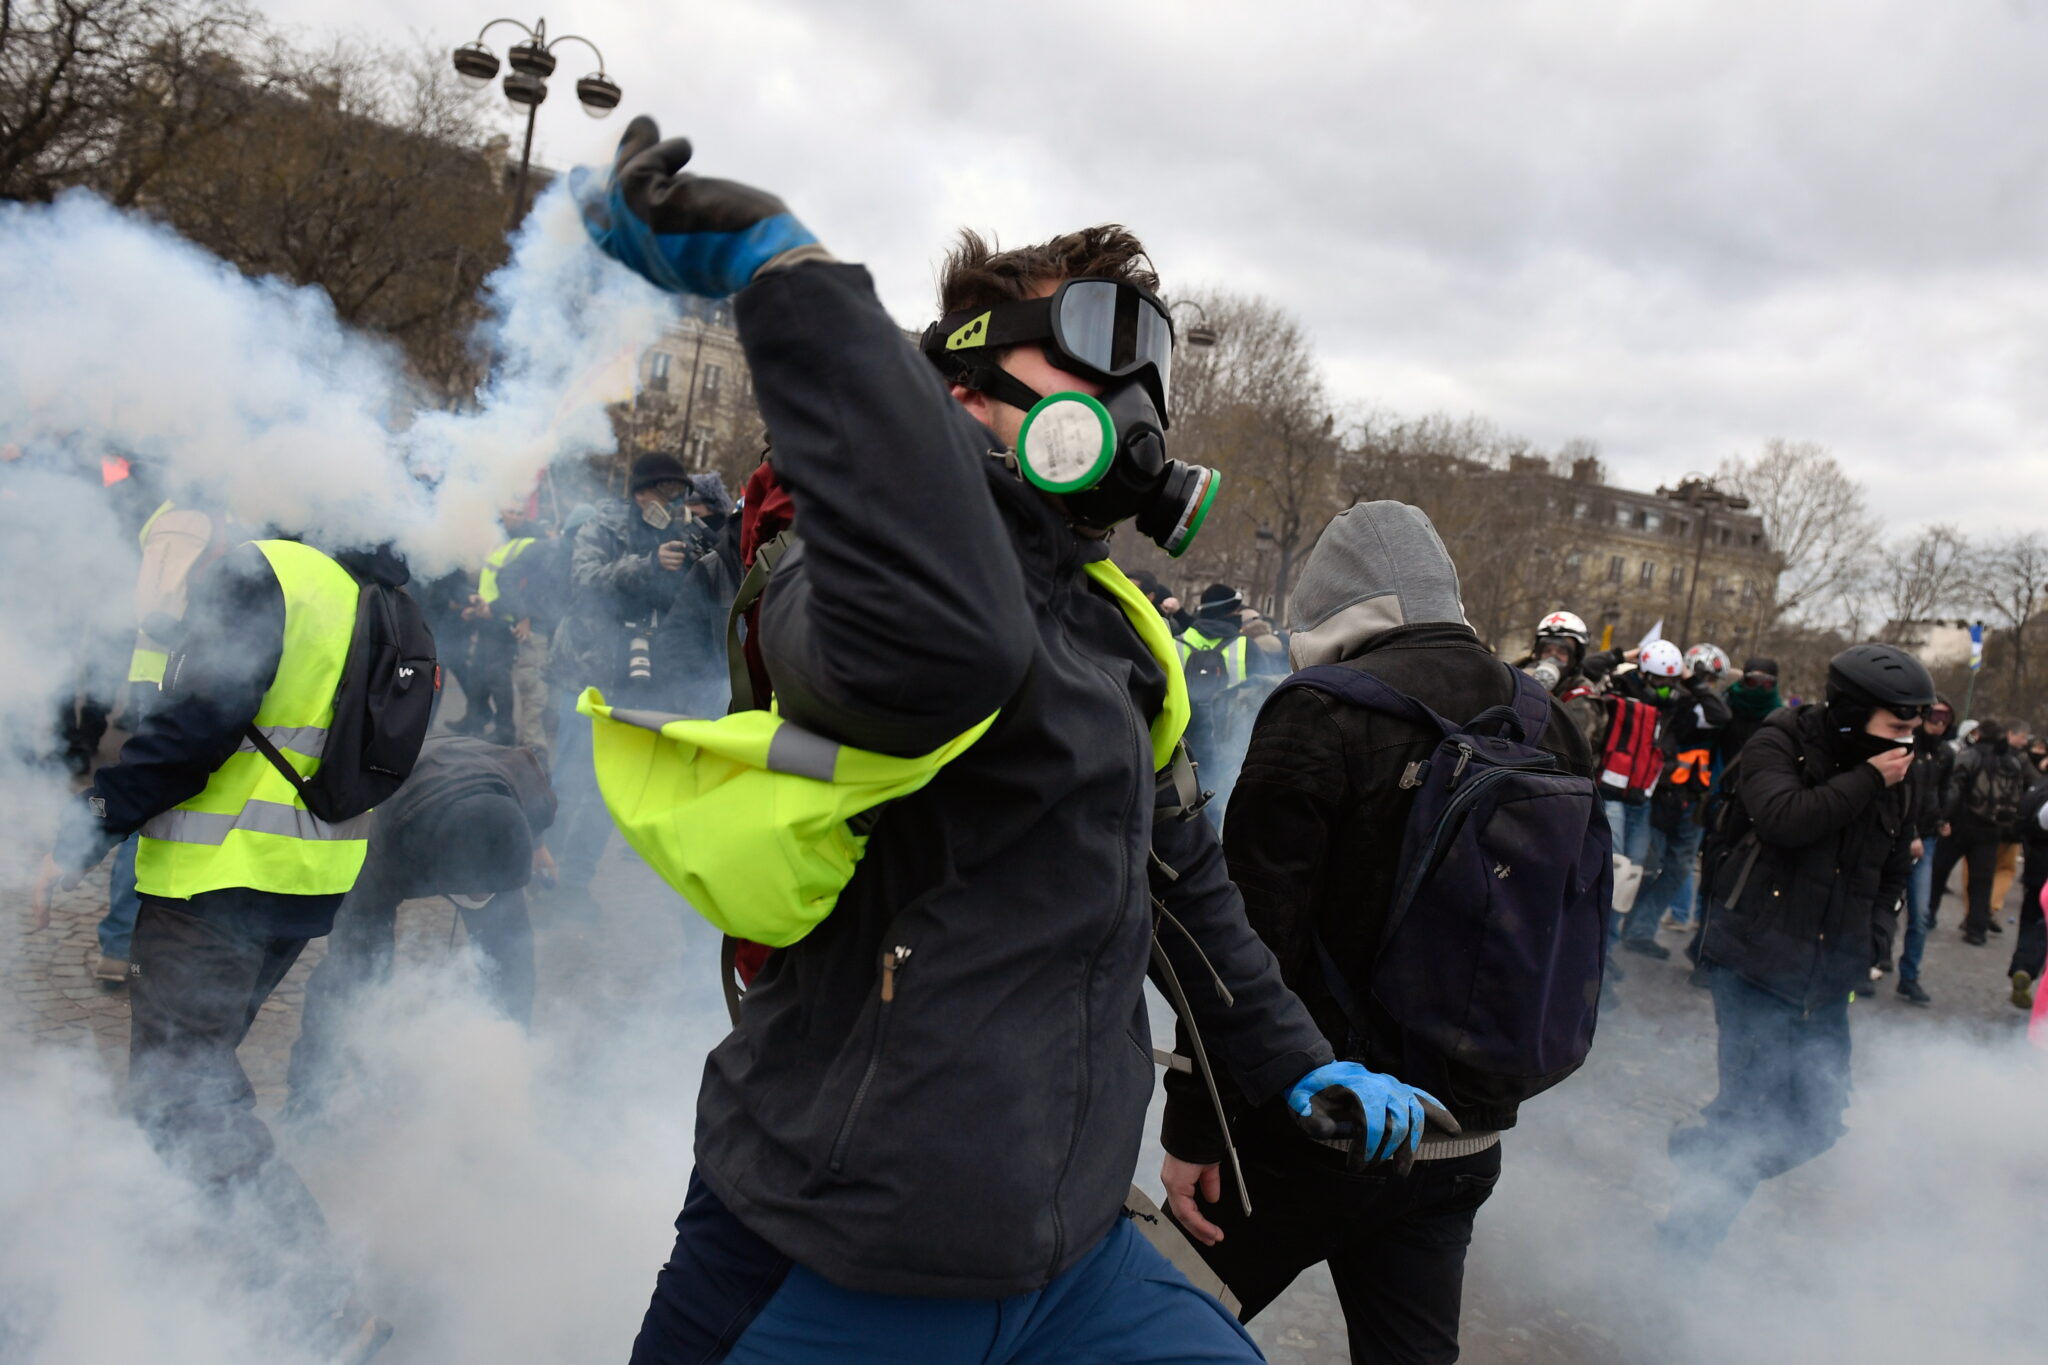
(1203, 334)
(526, 84)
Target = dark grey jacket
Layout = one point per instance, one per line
(614, 577)
(1806, 867)
(975, 1134)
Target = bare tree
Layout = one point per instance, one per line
(2008, 579)
(108, 93)
(1914, 581)
(1816, 518)
(1253, 407)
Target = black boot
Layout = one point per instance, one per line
(1909, 989)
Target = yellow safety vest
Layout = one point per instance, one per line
(495, 563)
(747, 817)
(250, 827)
(1234, 655)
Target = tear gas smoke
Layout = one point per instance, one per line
(116, 335)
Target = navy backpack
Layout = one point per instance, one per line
(1492, 951)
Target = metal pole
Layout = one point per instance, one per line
(1698, 558)
(1969, 696)
(525, 156)
(690, 403)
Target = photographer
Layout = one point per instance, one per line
(628, 564)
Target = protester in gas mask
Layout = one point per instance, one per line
(1803, 876)
(626, 567)
(891, 1145)
(691, 677)
(1557, 659)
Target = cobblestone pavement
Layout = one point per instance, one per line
(1580, 1149)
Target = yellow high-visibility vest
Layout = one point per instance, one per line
(495, 563)
(250, 827)
(1234, 655)
(752, 819)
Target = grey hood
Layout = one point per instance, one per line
(1376, 566)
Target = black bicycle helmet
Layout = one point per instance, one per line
(1879, 675)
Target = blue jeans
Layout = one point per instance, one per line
(1673, 856)
(1919, 909)
(1630, 825)
(117, 927)
(726, 1295)
(582, 824)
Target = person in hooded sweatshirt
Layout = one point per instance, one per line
(1751, 699)
(466, 825)
(1313, 841)
(1803, 874)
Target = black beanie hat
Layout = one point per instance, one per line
(481, 845)
(1761, 665)
(1220, 599)
(659, 467)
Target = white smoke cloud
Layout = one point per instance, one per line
(115, 334)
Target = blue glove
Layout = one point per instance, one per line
(1382, 1117)
(684, 233)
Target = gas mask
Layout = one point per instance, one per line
(662, 515)
(1104, 457)
(1547, 672)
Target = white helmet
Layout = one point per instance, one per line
(1561, 623)
(1661, 659)
(1713, 656)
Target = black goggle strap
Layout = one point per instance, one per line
(998, 325)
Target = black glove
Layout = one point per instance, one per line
(685, 233)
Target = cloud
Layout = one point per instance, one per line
(1680, 228)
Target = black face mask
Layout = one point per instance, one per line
(1106, 458)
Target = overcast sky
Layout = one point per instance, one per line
(1678, 227)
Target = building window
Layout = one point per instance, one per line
(1653, 522)
(1676, 579)
(1680, 526)
(1624, 515)
(1581, 509)
(712, 374)
(657, 372)
(1574, 566)
(697, 451)
(1726, 535)
(1756, 540)
(1617, 568)
(1647, 576)
(1748, 592)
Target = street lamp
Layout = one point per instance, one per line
(1202, 334)
(526, 84)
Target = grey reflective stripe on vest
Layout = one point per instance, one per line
(310, 740)
(257, 817)
(802, 753)
(646, 720)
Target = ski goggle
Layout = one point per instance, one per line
(1909, 712)
(1105, 330)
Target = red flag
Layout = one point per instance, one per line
(113, 469)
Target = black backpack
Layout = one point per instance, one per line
(1208, 673)
(1491, 957)
(1997, 788)
(381, 709)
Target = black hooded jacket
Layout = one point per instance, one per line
(974, 1133)
(1805, 868)
(225, 660)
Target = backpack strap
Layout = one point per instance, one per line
(766, 556)
(1531, 703)
(1363, 689)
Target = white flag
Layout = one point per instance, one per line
(1656, 634)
